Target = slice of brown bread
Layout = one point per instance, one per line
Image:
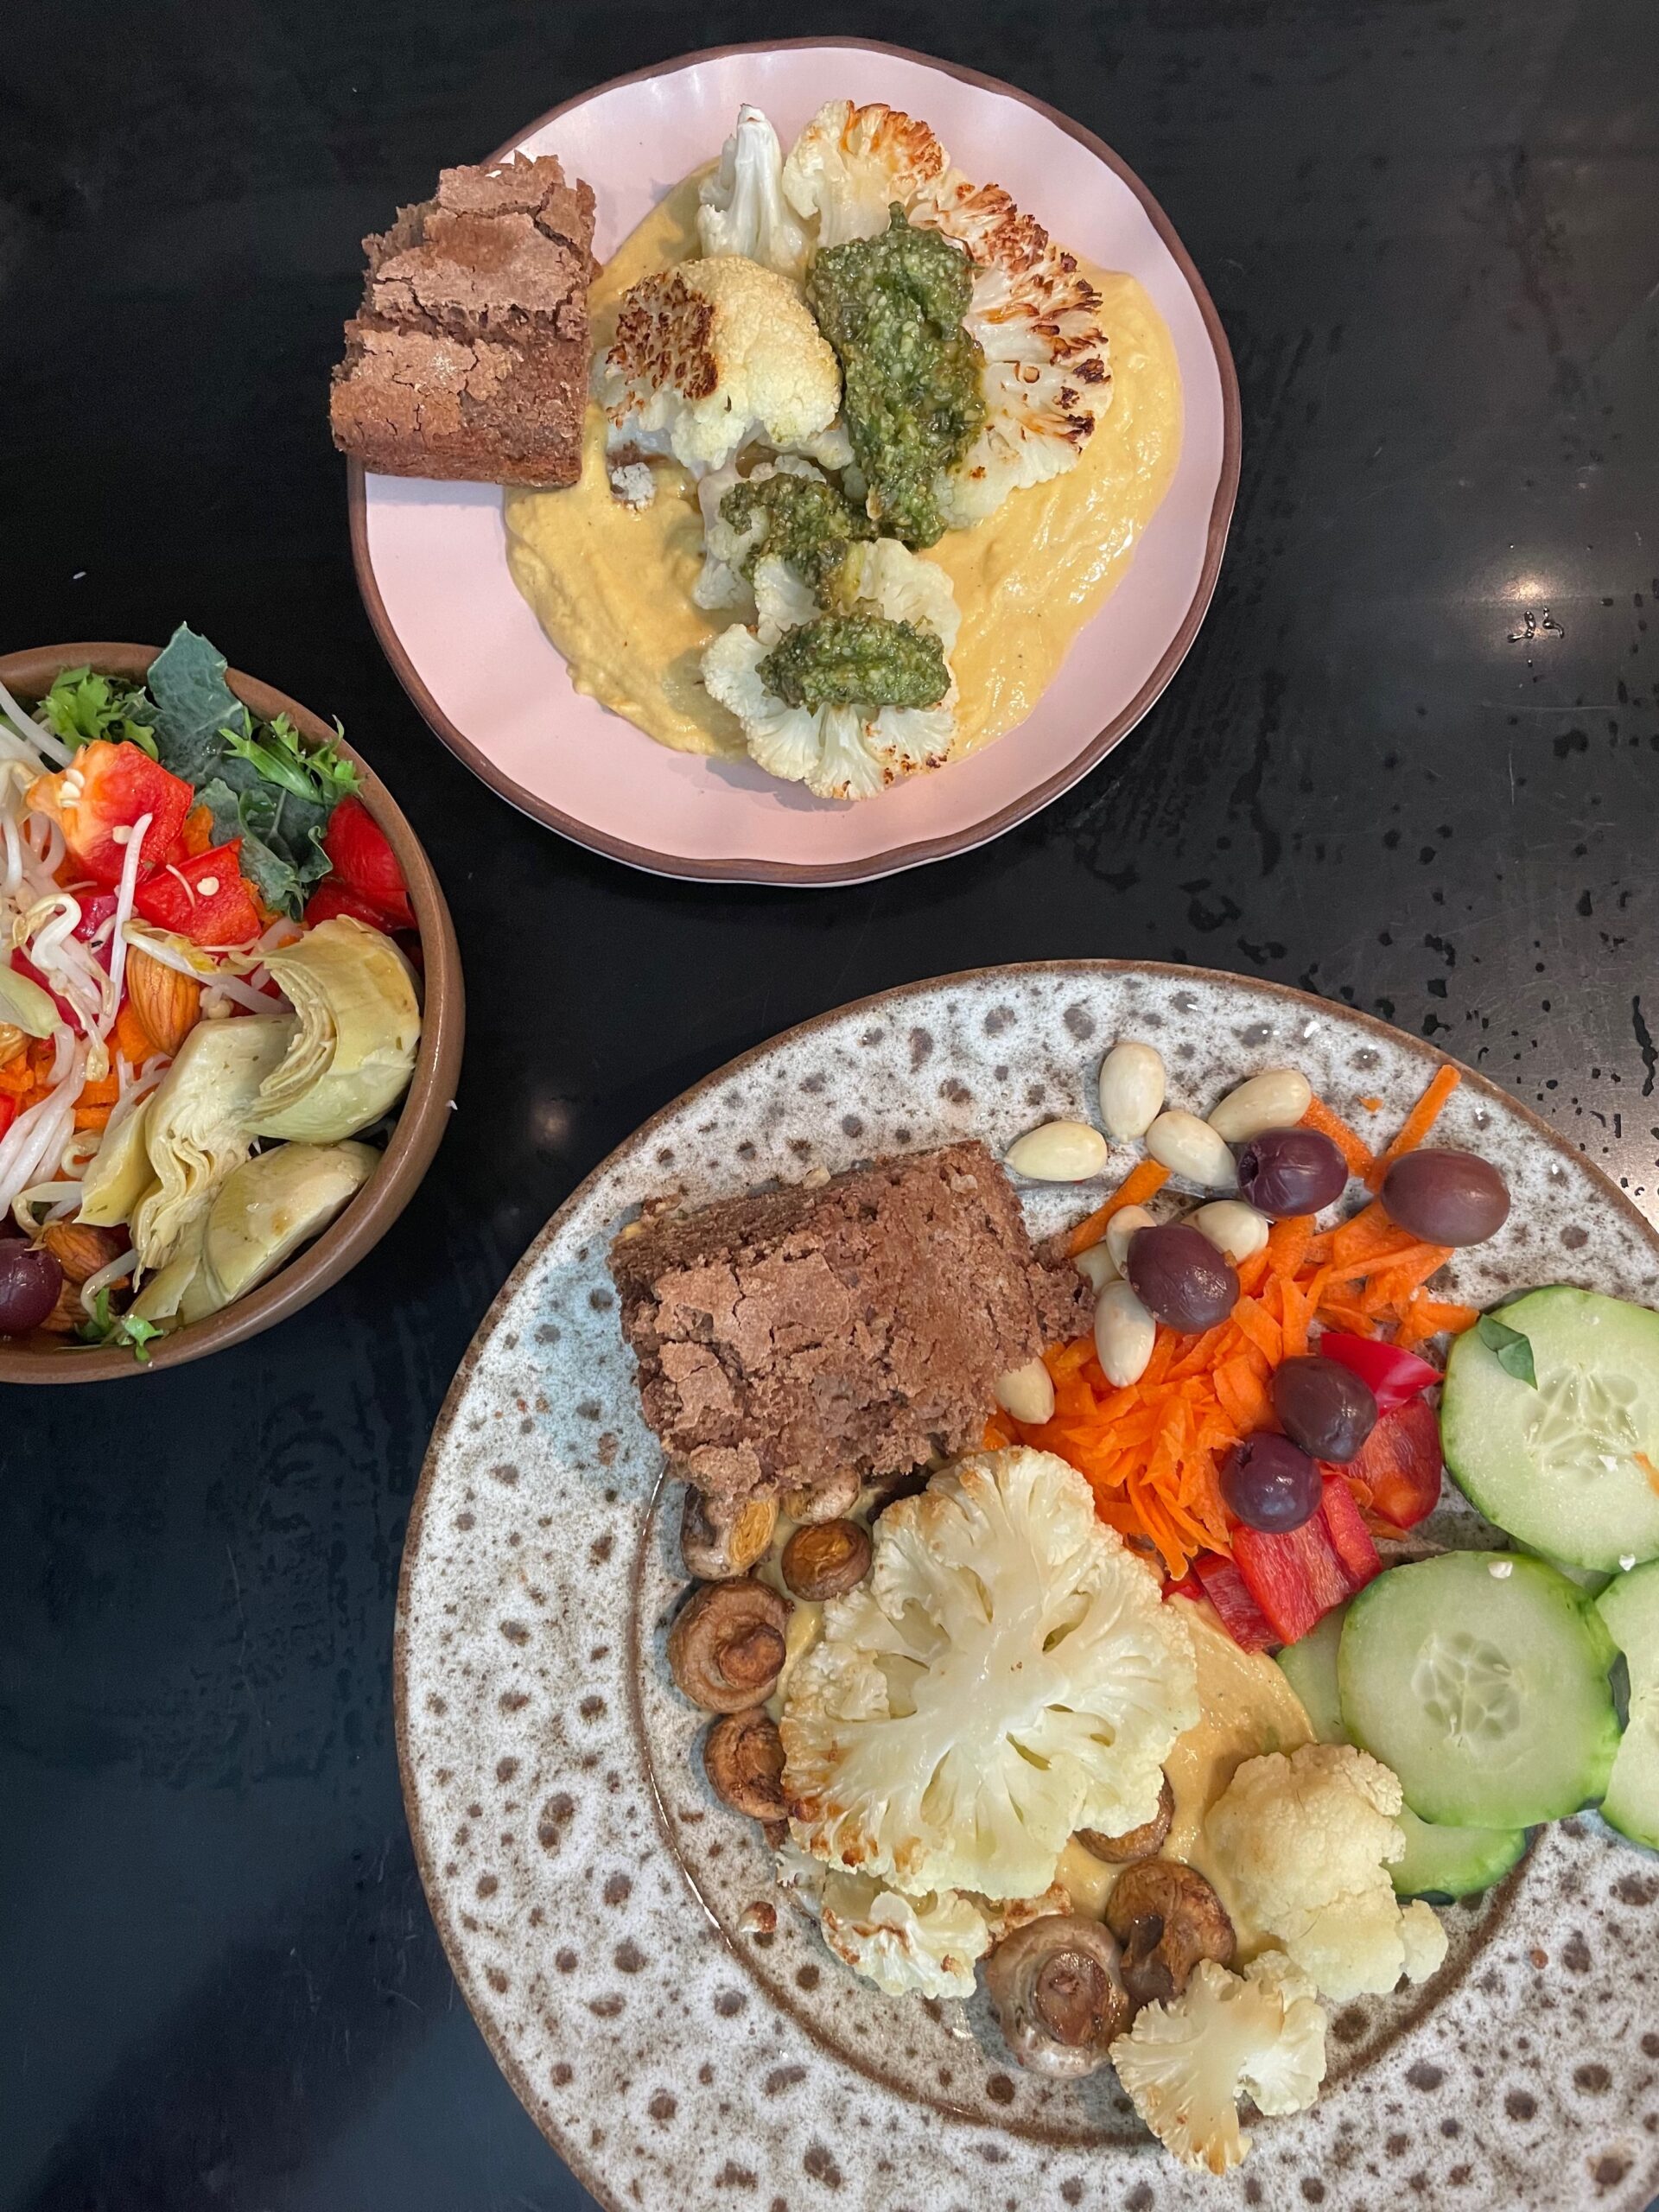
(468, 358)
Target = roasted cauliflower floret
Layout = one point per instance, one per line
(1006, 1675)
(741, 208)
(710, 356)
(1184, 2065)
(1307, 1843)
(851, 163)
(1046, 379)
(920, 1946)
(890, 644)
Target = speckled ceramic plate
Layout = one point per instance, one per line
(611, 1925)
(431, 558)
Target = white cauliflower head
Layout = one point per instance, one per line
(1307, 1843)
(1005, 1676)
(1183, 2065)
(741, 208)
(722, 583)
(1046, 379)
(925, 1946)
(1038, 320)
(850, 751)
(710, 356)
(850, 164)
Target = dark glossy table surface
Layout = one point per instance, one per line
(1410, 764)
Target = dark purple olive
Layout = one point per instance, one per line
(30, 1283)
(1270, 1485)
(1325, 1407)
(1291, 1171)
(1446, 1198)
(1179, 1277)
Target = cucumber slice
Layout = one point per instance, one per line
(1591, 1580)
(1559, 1467)
(1629, 1608)
(1309, 1668)
(1481, 1679)
(1451, 1862)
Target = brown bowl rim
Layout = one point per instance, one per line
(743, 867)
(427, 1105)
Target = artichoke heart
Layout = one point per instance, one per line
(195, 1130)
(169, 1295)
(354, 1050)
(274, 1203)
(119, 1174)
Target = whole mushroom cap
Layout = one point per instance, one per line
(726, 1649)
(1167, 1918)
(1059, 1994)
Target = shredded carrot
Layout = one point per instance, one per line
(104, 1092)
(1140, 1184)
(1372, 1105)
(1152, 1451)
(198, 835)
(130, 1037)
(1352, 1147)
(1417, 1124)
(92, 1117)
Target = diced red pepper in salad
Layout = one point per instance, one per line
(331, 900)
(1394, 1377)
(1350, 1538)
(1397, 1469)
(364, 863)
(204, 899)
(1293, 1574)
(8, 1112)
(104, 791)
(1240, 1615)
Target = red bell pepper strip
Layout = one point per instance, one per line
(96, 800)
(1293, 1574)
(1400, 1465)
(331, 900)
(204, 899)
(364, 862)
(1240, 1615)
(1393, 1377)
(8, 1112)
(1350, 1538)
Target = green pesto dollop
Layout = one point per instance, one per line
(809, 524)
(857, 660)
(892, 307)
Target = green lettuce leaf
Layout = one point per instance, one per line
(282, 835)
(81, 707)
(194, 706)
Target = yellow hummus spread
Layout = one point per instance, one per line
(1247, 1709)
(611, 585)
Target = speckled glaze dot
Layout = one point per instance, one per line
(683, 2047)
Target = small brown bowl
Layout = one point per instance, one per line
(422, 1119)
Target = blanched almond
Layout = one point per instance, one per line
(1275, 1099)
(1233, 1228)
(167, 1005)
(1188, 1147)
(1120, 1228)
(1124, 1335)
(1131, 1089)
(1027, 1393)
(1097, 1265)
(1058, 1152)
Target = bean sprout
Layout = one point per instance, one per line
(106, 1277)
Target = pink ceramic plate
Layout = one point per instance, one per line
(431, 558)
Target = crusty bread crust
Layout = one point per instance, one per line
(468, 359)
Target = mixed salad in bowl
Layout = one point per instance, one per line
(210, 999)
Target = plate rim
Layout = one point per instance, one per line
(568, 2151)
(891, 860)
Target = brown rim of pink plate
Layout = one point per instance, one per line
(741, 868)
(573, 2156)
(421, 1120)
